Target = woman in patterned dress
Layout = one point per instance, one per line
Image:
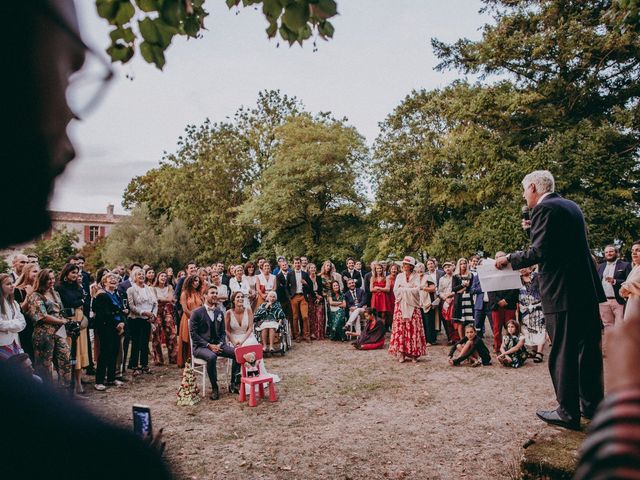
(531, 315)
(407, 334)
(44, 306)
(317, 319)
(164, 322)
(337, 314)
(463, 301)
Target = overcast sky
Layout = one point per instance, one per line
(381, 51)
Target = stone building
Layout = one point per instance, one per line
(89, 227)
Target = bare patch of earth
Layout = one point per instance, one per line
(347, 414)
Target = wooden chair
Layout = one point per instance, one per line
(252, 382)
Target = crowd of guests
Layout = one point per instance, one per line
(123, 317)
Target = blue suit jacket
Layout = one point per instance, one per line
(359, 301)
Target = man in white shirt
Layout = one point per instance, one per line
(612, 273)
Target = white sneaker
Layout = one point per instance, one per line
(118, 383)
(100, 387)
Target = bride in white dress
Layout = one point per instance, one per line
(238, 322)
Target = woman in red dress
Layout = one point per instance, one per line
(407, 335)
(380, 289)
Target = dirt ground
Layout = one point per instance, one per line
(348, 414)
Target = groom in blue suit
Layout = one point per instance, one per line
(206, 326)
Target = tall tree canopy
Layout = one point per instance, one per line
(449, 162)
(311, 199)
(274, 179)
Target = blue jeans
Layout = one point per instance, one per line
(479, 317)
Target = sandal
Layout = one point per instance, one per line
(538, 357)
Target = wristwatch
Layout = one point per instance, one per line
(509, 257)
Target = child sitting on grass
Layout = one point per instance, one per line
(471, 348)
(512, 352)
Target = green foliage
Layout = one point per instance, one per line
(158, 21)
(310, 198)
(448, 163)
(156, 241)
(53, 252)
(92, 253)
(4, 265)
(213, 172)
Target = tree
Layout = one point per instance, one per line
(450, 162)
(214, 171)
(158, 21)
(92, 253)
(54, 252)
(161, 242)
(311, 199)
(4, 265)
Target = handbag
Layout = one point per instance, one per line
(81, 319)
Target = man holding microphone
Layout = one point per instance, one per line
(571, 292)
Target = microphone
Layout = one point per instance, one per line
(525, 213)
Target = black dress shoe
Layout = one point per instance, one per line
(215, 393)
(588, 415)
(552, 417)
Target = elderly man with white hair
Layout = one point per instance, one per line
(570, 291)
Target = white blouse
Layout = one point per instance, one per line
(11, 323)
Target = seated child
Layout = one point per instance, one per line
(372, 337)
(471, 348)
(512, 352)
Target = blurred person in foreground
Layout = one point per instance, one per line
(47, 50)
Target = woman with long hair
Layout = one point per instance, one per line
(109, 322)
(462, 301)
(250, 278)
(238, 322)
(72, 297)
(45, 305)
(11, 319)
(149, 277)
(265, 282)
(407, 334)
(143, 308)
(630, 288)
(164, 323)
(24, 287)
(380, 287)
(337, 312)
(204, 280)
(190, 299)
(317, 319)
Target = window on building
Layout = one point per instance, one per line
(94, 233)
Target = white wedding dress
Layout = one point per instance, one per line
(238, 331)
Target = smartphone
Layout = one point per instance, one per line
(142, 421)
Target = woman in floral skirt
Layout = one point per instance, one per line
(407, 333)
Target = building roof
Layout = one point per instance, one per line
(79, 217)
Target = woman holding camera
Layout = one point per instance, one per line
(72, 297)
(143, 307)
(109, 326)
(44, 306)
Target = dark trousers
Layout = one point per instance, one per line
(212, 358)
(429, 323)
(139, 330)
(479, 318)
(575, 361)
(109, 344)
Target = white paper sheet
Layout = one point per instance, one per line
(492, 279)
